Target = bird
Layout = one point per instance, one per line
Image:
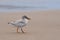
(20, 23)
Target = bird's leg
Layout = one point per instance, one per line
(17, 29)
(22, 30)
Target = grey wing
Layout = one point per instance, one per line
(21, 24)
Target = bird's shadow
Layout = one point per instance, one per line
(19, 33)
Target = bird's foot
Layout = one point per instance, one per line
(23, 32)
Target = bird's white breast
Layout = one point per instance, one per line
(26, 21)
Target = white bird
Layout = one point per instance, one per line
(20, 23)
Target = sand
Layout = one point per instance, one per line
(44, 25)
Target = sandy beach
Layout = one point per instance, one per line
(44, 25)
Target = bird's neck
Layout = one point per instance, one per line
(26, 20)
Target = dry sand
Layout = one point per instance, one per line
(44, 25)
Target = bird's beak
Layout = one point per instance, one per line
(29, 18)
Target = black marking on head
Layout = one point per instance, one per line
(25, 17)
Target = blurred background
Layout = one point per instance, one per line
(28, 5)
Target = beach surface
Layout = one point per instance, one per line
(44, 25)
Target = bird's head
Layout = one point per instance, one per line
(25, 17)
